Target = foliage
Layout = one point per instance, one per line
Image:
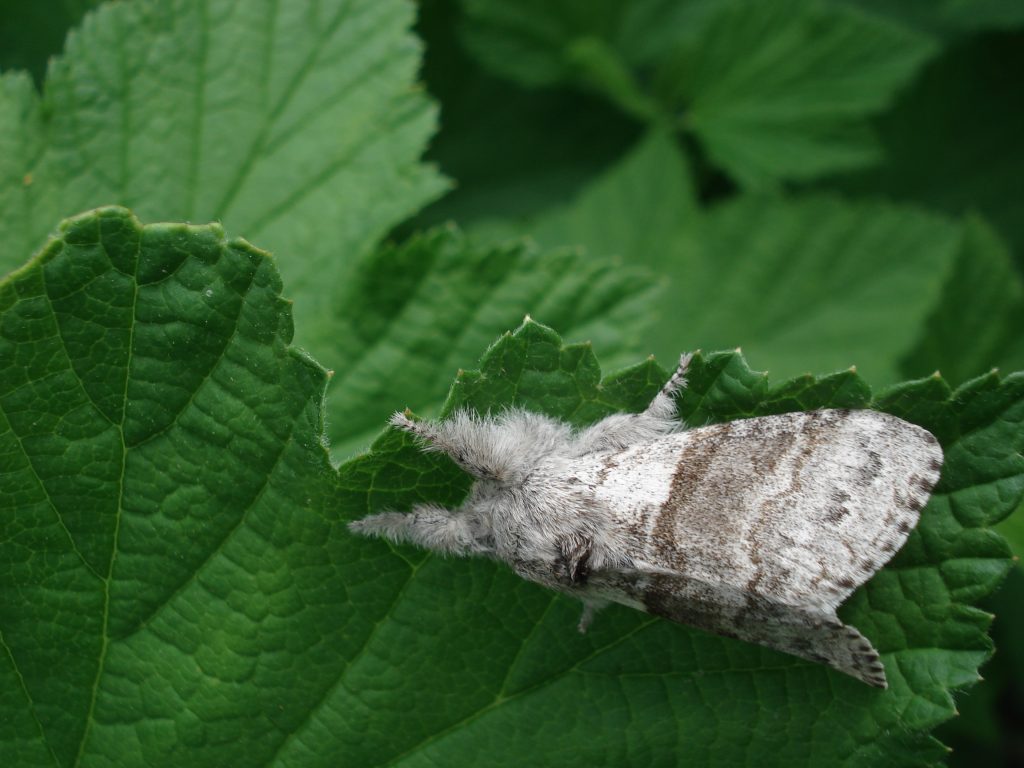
(825, 183)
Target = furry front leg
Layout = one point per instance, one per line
(663, 406)
(626, 429)
(436, 528)
(590, 607)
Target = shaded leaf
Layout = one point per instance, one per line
(783, 90)
(510, 149)
(949, 18)
(32, 32)
(533, 41)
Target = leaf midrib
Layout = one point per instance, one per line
(105, 625)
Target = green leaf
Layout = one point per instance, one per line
(977, 322)
(178, 586)
(952, 141)
(640, 209)
(783, 90)
(295, 123)
(772, 91)
(422, 309)
(532, 41)
(806, 283)
(817, 282)
(170, 570)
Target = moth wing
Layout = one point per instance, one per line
(811, 633)
(799, 508)
(773, 520)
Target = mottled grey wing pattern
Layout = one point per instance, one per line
(764, 526)
(810, 633)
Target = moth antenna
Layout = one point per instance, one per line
(590, 607)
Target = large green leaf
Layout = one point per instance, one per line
(177, 585)
(171, 578)
(295, 123)
(803, 283)
(772, 90)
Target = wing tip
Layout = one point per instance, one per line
(854, 655)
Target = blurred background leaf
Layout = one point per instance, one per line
(428, 306)
(949, 18)
(808, 283)
(773, 91)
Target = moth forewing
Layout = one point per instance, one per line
(799, 507)
(760, 528)
(756, 529)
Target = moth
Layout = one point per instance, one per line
(756, 529)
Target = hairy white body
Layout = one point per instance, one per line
(756, 529)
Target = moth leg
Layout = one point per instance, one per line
(625, 429)
(663, 406)
(573, 566)
(590, 607)
(436, 528)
